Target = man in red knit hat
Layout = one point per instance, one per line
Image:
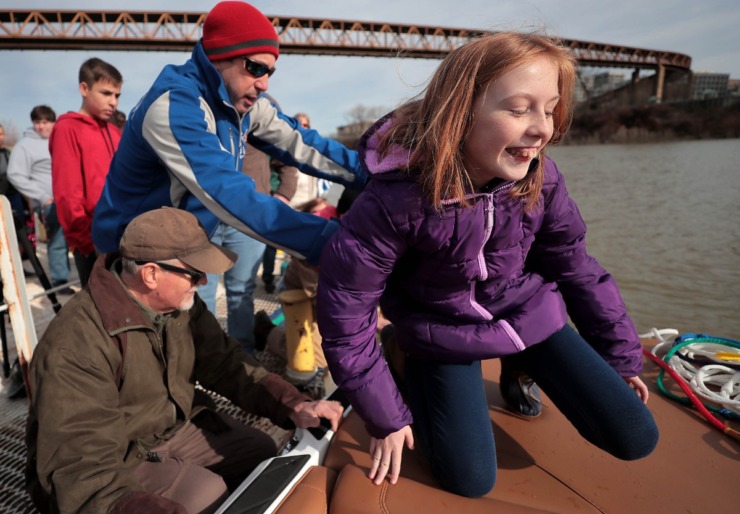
(184, 145)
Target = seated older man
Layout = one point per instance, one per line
(116, 424)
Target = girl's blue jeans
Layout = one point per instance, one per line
(451, 418)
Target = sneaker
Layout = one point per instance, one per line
(263, 325)
(68, 291)
(520, 392)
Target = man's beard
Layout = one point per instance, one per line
(186, 305)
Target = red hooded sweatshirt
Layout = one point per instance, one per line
(81, 151)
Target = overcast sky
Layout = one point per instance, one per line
(327, 88)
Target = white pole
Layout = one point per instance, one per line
(14, 288)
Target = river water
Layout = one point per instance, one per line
(664, 219)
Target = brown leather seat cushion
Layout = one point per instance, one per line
(310, 495)
(518, 482)
(545, 464)
(355, 494)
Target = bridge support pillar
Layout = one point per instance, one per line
(660, 84)
(633, 86)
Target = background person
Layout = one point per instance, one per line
(241, 280)
(284, 187)
(283, 183)
(29, 171)
(6, 188)
(22, 217)
(82, 145)
(468, 239)
(303, 276)
(118, 119)
(116, 424)
(298, 275)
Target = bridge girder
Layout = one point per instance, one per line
(179, 31)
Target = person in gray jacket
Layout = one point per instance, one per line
(29, 171)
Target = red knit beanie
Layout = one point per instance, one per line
(236, 28)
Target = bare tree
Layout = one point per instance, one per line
(12, 134)
(359, 118)
(360, 113)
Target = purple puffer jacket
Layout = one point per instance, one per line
(469, 283)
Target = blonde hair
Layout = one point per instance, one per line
(434, 126)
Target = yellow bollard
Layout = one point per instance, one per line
(299, 341)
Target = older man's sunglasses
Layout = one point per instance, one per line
(195, 276)
(257, 69)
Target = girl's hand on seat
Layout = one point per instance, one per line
(387, 454)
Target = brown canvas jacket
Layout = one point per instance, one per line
(85, 435)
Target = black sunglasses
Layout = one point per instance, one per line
(257, 69)
(195, 276)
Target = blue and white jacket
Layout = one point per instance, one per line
(183, 146)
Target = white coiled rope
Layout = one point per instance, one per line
(715, 382)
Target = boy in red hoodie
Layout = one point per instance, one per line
(82, 145)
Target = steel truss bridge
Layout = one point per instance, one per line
(179, 31)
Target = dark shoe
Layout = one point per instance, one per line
(68, 291)
(15, 388)
(270, 287)
(521, 393)
(263, 325)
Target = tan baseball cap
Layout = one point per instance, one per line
(170, 233)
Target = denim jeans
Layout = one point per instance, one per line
(57, 251)
(239, 282)
(451, 419)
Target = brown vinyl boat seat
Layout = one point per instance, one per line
(544, 466)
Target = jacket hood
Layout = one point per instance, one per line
(376, 164)
(31, 134)
(76, 116)
(88, 125)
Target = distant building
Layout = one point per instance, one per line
(733, 87)
(349, 135)
(584, 85)
(705, 86)
(590, 85)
